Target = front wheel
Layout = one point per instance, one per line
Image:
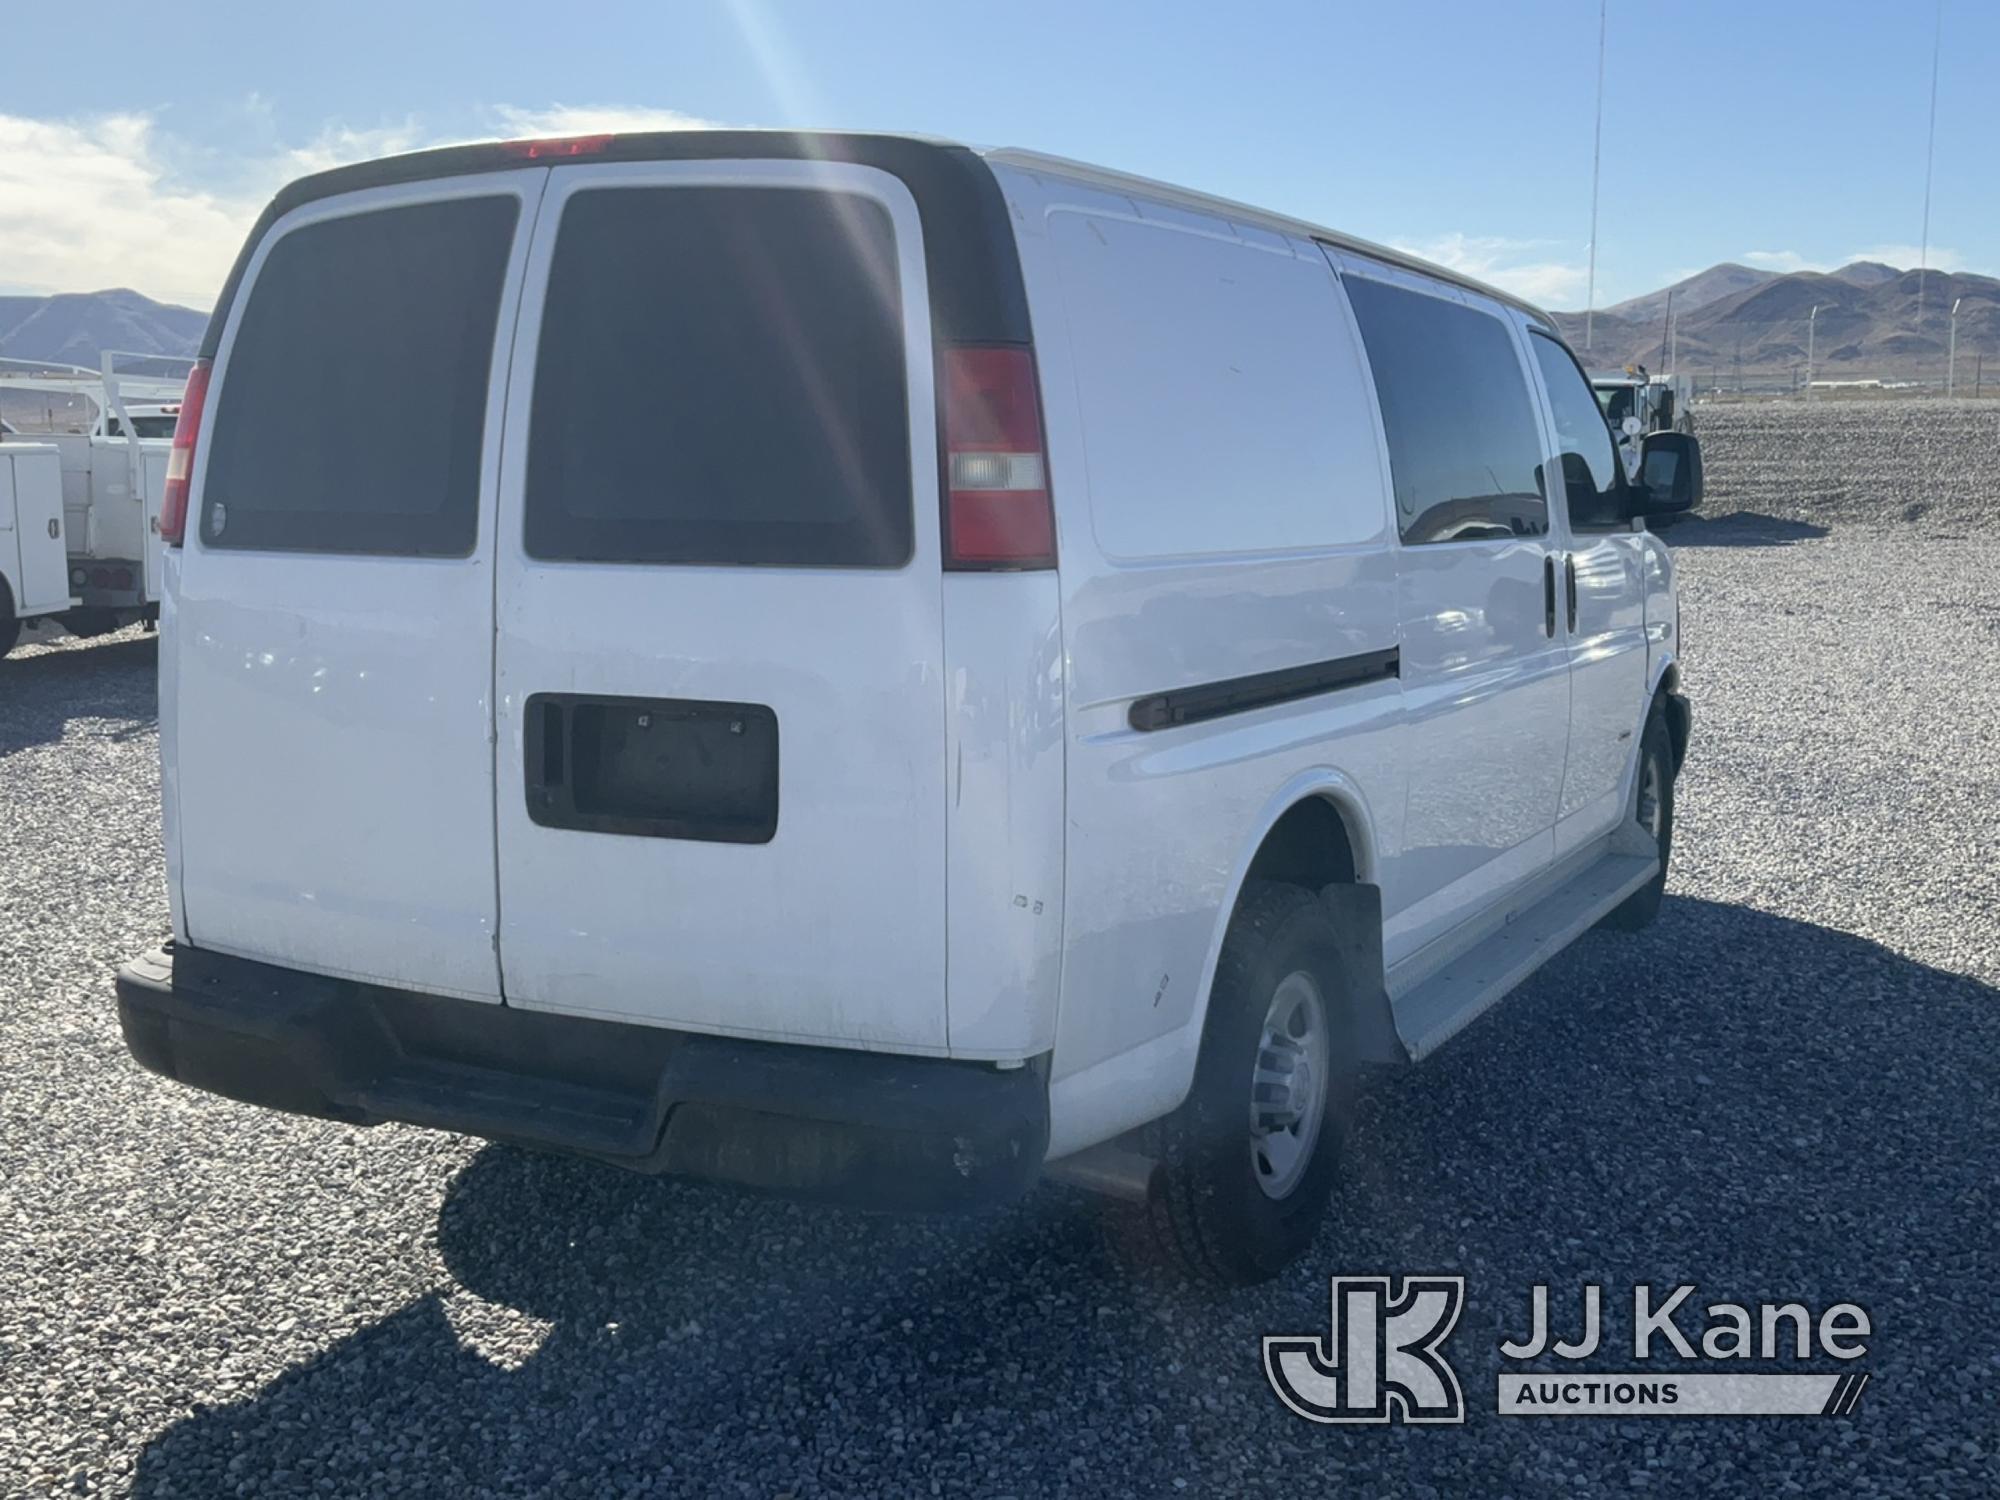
(1653, 810)
(1248, 1162)
(10, 623)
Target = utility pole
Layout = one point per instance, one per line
(1930, 152)
(1596, 153)
(1812, 328)
(1951, 359)
(1666, 327)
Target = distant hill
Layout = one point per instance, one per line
(76, 327)
(1867, 273)
(1698, 290)
(1868, 325)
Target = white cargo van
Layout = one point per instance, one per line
(855, 667)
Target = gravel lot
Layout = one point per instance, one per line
(1788, 1088)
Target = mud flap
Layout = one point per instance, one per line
(1357, 917)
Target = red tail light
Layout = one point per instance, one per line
(180, 457)
(567, 145)
(997, 512)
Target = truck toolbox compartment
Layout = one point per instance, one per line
(869, 1129)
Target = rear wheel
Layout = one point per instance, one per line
(1653, 810)
(10, 623)
(1248, 1162)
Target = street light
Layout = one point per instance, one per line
(1812, 328)
(1951, 359)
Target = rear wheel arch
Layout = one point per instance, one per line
(1317, 834)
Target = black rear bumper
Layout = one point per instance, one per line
(868, 1128)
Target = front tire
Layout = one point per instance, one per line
(1653, 809)
(1249, 1161)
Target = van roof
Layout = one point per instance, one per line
(933, 167)
(1129, 182)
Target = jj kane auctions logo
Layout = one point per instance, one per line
(1383, 1358)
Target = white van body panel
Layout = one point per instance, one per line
(331, 716)
(834, 932)
(1004, 880)
(1164, 411)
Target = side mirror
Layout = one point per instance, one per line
(1669, 475)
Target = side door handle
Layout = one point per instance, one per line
(1569, 567)
(1549, 594)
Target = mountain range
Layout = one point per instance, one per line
(1735, 318)
(75, 327)
(1732, 319)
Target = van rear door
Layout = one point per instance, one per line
(721, 756)
(327, 712)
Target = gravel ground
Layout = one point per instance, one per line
(1789, 1088)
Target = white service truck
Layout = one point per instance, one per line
(108, 475)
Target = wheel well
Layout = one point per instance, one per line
(1308, 846)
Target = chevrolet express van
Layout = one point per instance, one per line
(861, 668)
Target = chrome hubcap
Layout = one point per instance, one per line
(1288, 1085)
(1650, 810)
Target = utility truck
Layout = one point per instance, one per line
(108, 470)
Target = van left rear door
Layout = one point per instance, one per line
(327, 710)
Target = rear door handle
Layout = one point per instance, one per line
(1549, 594)
(1569, 568)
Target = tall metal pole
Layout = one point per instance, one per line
(1930, 152)
(1812, 328)
(1666, 329)
(1951, 359)
(1596, 155)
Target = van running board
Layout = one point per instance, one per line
(1459, 993)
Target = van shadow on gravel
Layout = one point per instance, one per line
(1772, 1109)
(1741, 528)
(41, 693)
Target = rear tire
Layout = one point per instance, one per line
(10, 623)
(1249, 1161)
(1653, 809)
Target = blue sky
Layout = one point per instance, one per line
(136, 141)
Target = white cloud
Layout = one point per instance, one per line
(92, 203)
(115, 200)
(1902, 257)
(1907, 257)
(1784, 262)
(1522, 267)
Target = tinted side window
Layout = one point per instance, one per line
(351, 412)
(1464, 450)
(721, 380)
(1589, 460)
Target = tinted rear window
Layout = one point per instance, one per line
(721, 380)
(1464, 448)
(351, 412)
